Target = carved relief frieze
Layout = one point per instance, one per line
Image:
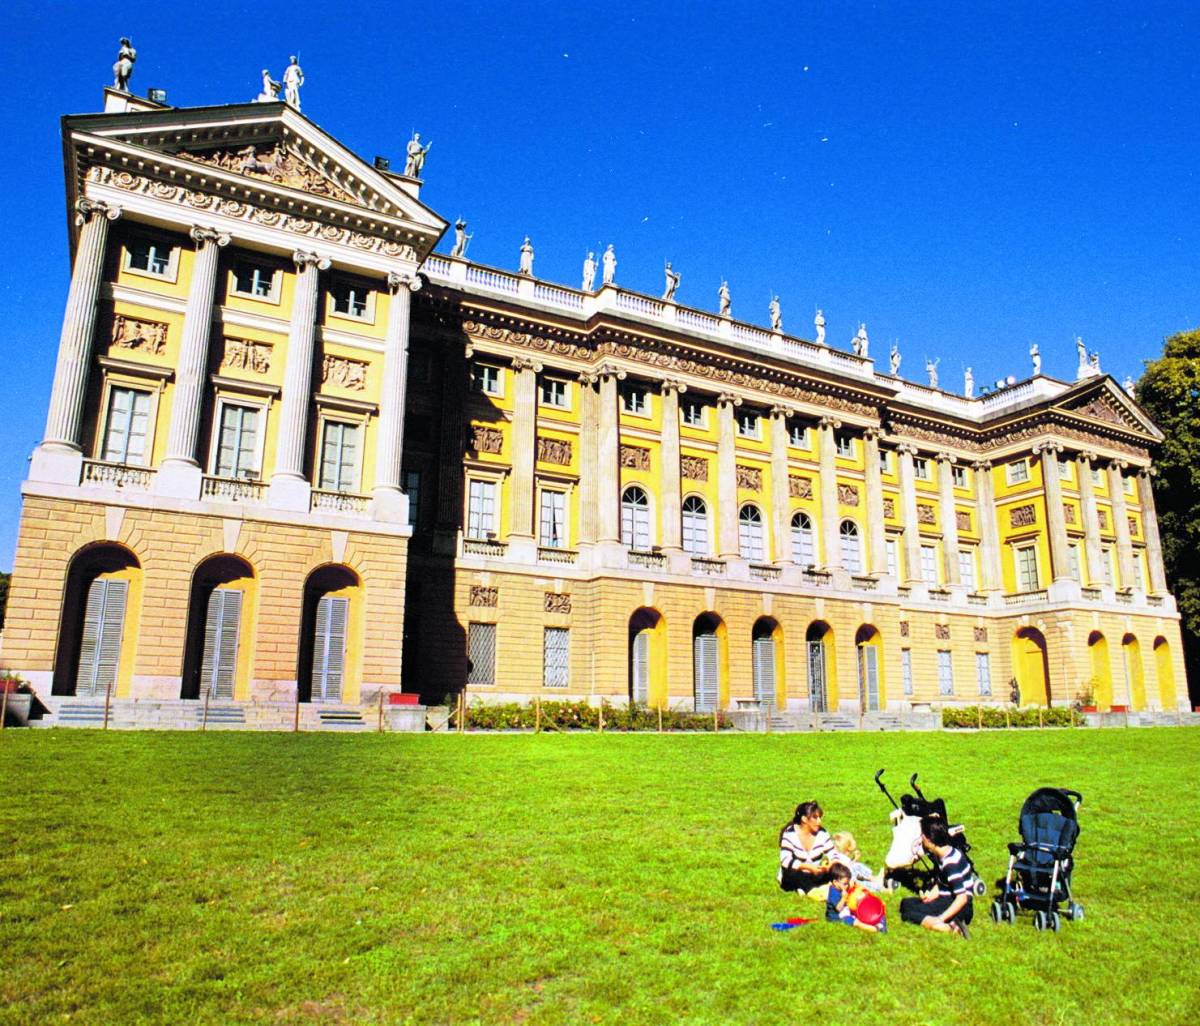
(1101, 409)
(904, 628)
(889, 509)
(981, 634)
(800, 487)
(486, 439)
(926, 514)
(483, 596)
(344, 373)
(1069, 513)
(1102, 516)
(962, 520)
(554, 450)
(847, 495)
(749, 478)
(553, 346)
(634, 457)
(1133, 526)
(276, 165)
(242, 354)
(941, 631)
(140, 335)
(1022, 516)
(694, 468)
(553, 602)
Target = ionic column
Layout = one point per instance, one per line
(456, 381)
(1091, 520)
(79, 327)
(289, 488)
(671, 487)
(589, 462)
(727, 524)
(608, 454)
(388, 499)
(1116, 491)
(876, 535)
(949, 518)
(993, 579)
(1158, 576)
(908, 503)
(780, 496)
(524, 448)
(1060, 558)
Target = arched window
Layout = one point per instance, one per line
(695, 526)
(804, 549)
(750, 533)
(851, 547)
(635, 519)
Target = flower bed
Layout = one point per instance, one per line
(993, 718)
(582, 716)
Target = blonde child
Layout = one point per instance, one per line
(845, 851)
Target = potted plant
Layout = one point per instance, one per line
(1085, 699)
(16, 698)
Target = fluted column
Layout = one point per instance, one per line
(989, 531)
(671, 487)
(589, 462)
(1056, 521)
(727, 511)
(524, 451)
(67, 395)
(1116, 491)
(780, 496)
(908, 503)
(949, 516)
(876, 533)
(608, 454)
(1093, 551)
(289, 489)
(1158, 576)
(388, 499)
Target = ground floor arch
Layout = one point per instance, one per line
(218, 643)
(1135, 677)
(822, 667)
(648, 658)
(710, 662)
(767, 663)
(1031, 666)
(869, 645)
(1165, 672)
(330, 649)
(1101, 670)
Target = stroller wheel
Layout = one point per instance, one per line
(980, 888)
(1039, 920)
(1055, 922)
(997, 911)
(1074, 912)
(1010, 913)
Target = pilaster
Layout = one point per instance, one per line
(780, 498)
(1091, 520)
(1060, 560)
(1120, 512)
(727, 511)
(521, 539)
(949, 518)
(671, 489)
(1158, 576)
(908, 503)
(388, 501)
(608, 455)
(993, 578)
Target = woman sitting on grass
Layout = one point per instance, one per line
(948, 909)
(803, 848)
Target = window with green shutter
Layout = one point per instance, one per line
(100, 645)
(329, 649)
(222, 626)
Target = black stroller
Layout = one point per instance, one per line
(1039, 867)
(906, 864)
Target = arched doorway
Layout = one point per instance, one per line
(709, 662)
(648, 658)
(1031, 666)
(870, 668)
(822, 667)
(766, 642)
(1101, 667)
(1165, 672)
(97, 631)
(1135, 678)
(330, 636)
(218, 643)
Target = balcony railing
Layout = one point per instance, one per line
(232, 489)
(117, 475)
(548, 554)
(976, 599)
(1154, 600)
(1091, 594)
(483, 547)
(338, 502)
(939, 595)
(1124, 597)
(818, 578)
(647, 560)
(861, 583)
(712, 567)
(765, 572)
(1026, 598)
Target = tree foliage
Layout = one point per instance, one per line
(1169, 391)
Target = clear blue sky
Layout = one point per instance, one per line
(966, 179)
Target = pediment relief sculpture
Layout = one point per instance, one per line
(273, 164)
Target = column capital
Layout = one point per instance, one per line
(873, 433)
(1147, 471)
(395, 280)
(304, 259)
(907, 449)
(1052, 447)
(830, 422)
(1119, 465)
(946, 457)
(672, 385)
(782, 411)
(982, 465)
(201, 235)
(522, 362)
(1087, 457)
(609, 370)
(729, 399)
(86, 209)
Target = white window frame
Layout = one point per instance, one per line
(636, 525)
(851, 560)
(1139, 569)
(358, 285)
(214, 447)
(983, 673)
(958, 477)
(706, 520)
(170, 273)
(1097, 477)
(800, 542)
(561, 674)
(749, 424)
(487, 379)
(154, 391)
(564, 541)
(361, 428)
(891, 548)
(968, 573)
(945, 667)
(1013, 475)
(844, 446)
(1106, 564)
(635, 400)
(1129, 484)
(1074, 562)
(906, 671)
(929, 565)
(495, 629)
(494, 482)
(921, 469)
(752, 535)
(885, 461)
(547, 396)
(1064, 470)
(799, 436)
(693, 413)
(272, 295)
(1021, 572)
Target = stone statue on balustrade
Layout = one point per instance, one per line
(1036, 356)
(819, 324)
(123, 69)
(293, 79)
(1094, 361)
(1128, 384)
(589, 272)
(526, 266)
(270, 89)
(776, 312)
(415, 155)
(672, 283)
(861, 343)
(969, 384)
(1082, 370)
(461, 238)
(724, 301)
(931, 367)
(610, 265)
(894, 360)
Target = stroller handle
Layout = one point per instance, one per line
(912, 782)
(1075, 796)
(883, 787)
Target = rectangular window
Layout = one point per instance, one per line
(929, 573)
(237, 442)
(945, 673)
(1073, 556)
(1096, 477)
(845, 447)
(798, 435)
(635, 400)
(1064, 470)
(339, 457)
(893, 556)
(959, 476)
(412, 488)
(885, 461)
(1106, 561)
(906, 670)
(983, 672)
(257, 280)
(1027, 569)
(921, 468)
(1017, 472)
(966, 566)
(481, 653)
(150, 257)
(486, 379)
(481, 509)
(1139, 571)
(127, 426)
(552, 519)
(749, 424)
(556, 652)
(692, 412)
(351, 299)
(554, 393)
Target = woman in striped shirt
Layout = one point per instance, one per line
(804, 847)
(948, 909)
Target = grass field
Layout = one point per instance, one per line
(275, 878)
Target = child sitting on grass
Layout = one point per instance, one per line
(846, 852)
(844, 898)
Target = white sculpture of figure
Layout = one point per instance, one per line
(931, 369)
(894, 360)
(123, 69)
(526, 266)
(969, 384)
(861, 342)
(1128, 384)
(1081, 349)
(776, 313)
(610, 265)
(461, 238)
(589, 272)
(672, 283)
(415, 154)
(270, 89)
(293, 79)
(819, 325)
(724, 299)
(1036, 356)
(1095, 363)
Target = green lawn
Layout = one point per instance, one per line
(259, 878)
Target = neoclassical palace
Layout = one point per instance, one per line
(296, 460)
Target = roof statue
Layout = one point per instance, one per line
(1094, 361)
(461, 238)
(1036, 356)
(414, 163)
(969, 384)
(861, 343)
(293, 79)
(123, 69)
(776, 312)
(526, 265)
(894, 360)
(819, 324)
(270, 89)
(723, 299)
(1128, 384)
(931, 369)
(1082, 370)
(610, 265)
(589, 272)
(673, 279)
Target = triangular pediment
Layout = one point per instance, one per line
(275, 162)
(1103, 401)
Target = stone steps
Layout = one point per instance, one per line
(125, 714)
